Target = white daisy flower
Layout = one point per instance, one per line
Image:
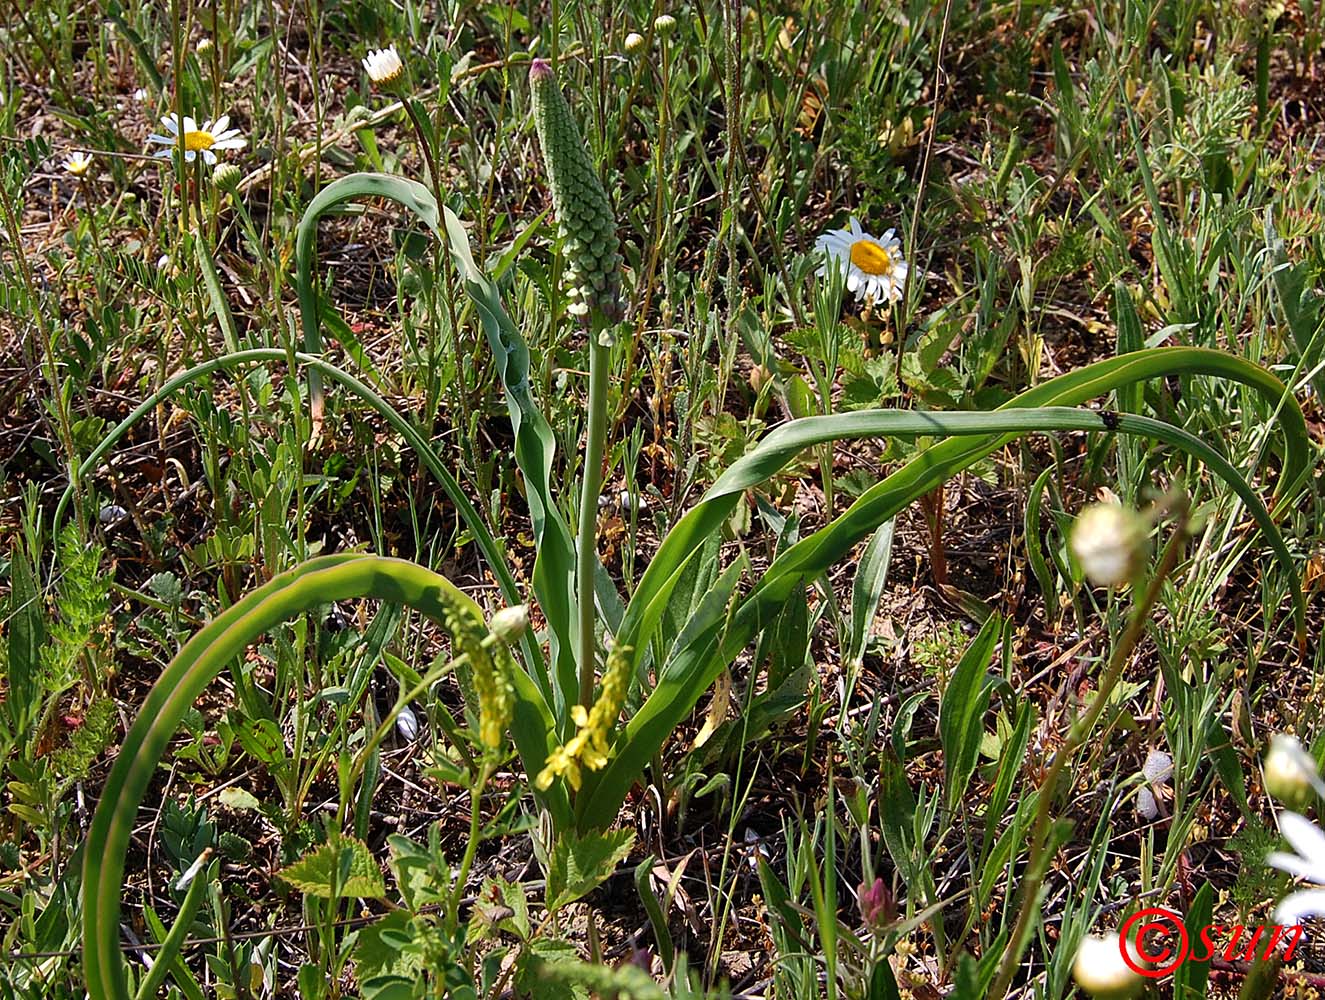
(873, 266)
(1308, 863)
(77, 164)
(208, 139)
(383, 66)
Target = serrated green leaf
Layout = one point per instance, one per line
(339, 869)
(581, 863)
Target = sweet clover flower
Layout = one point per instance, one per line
(588, 748)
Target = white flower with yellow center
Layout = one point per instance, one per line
(78, 164)
(873, 266)
(209, 139)
(383, 66)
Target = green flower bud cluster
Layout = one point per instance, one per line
(584, 213)
(589, 746)
(491, 668)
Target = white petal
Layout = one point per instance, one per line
(854, 223)
(170, 124)
(854, 282)
(189, 124)
(1293, 907)
(1307, 839)
(1290, 863)
(163, 154)
(209, 157)
(165, 140)
(219, 125)
(190, 155)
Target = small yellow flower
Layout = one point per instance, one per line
(589, 747)
(78, 164)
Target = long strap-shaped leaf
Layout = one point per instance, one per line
(686, 679)
(535, 446)
(315, 583)
(1072, 389)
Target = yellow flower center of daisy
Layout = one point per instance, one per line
(198, 140)
(871, 258)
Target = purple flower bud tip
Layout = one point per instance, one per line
(540, 69)
(875, 902)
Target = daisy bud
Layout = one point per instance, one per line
(584, 213)
(383, 66)
(1109, 542)
(226, 175)
(634, 42)
(1291, 774)
(1101, 970)
(204, 46)
(664, 24)
(510, 624)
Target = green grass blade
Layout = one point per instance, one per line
(687, 678)
(317, 582)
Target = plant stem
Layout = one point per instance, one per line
(587, 533)
(471, 845)
(1077, 735)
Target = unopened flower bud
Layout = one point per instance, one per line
(509, 624)
(204, 46)
(1291, 773)
(226, 175)
(1101, 970)
(664, 24)
(634, 42)
(584, 213)
(1110, 543)
(383, 65)
(876, 902)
